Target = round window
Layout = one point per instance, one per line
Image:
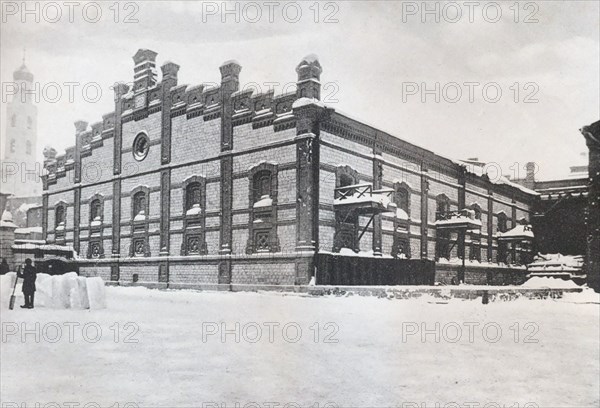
(141, 146)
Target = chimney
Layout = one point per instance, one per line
(530, 169)
(144, 71)
(230, 76)
(309, 76)
(80, 126)
(169, 74)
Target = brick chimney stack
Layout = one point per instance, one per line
(80, 126)
(530, 170)
(230, 76)
(144, 71)
(309, 77)
(169, 74)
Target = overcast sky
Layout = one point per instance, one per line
(372, 55)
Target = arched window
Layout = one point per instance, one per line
(194, 201)
(263, 216)
(96, 210)
(346, 180)
(442, 204)
(192, 196)
(29, 122)
(502, 222)
(402, 197)
(28, 147)
(60, 213)
(261, 185)
(477, 210)
(13, 121)
(139, 204)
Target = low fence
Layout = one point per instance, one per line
(480, 275)
(363, 271)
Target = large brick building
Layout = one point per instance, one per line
(213, 185)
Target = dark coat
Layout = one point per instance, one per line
(4, 268)
(29, 276)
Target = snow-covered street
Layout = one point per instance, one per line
(184, 348)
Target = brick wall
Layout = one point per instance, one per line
(264, 273)
(194, 139)
(194, 273)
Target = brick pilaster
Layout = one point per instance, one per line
(120, 90)
(80, 127)
(116, 219)
(76, 218)
(462, 182)
(45, 216)
(424, 213)
(165, 211)
(490, 225)
(377, 183)
(230, 72)
(169, 71)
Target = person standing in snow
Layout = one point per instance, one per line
(29, 276)
(4, 268)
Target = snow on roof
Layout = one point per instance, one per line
(298, 103)
(482, 170)
(28, 230)
(26, 207)
(43, 247)
(520, 231)
(471, 168)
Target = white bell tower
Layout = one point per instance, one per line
(20, 168)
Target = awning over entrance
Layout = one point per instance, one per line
(364, 199)
(457, 220)
(517, 234)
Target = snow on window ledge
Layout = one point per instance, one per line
(141, 216)
(265, 201)
(195, 210)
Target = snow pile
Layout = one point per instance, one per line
(7, 282)
(67, 291)
(556, 262)
(547, 282)
(587, 295)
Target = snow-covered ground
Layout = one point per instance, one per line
(352, 351)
